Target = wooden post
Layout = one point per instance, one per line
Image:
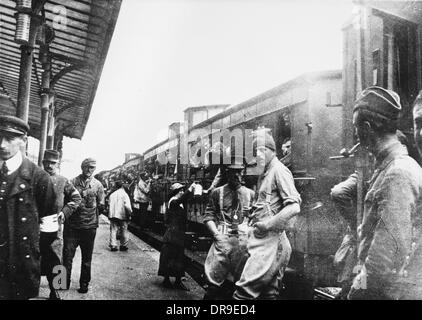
(45, 99)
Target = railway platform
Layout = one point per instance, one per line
(130, 275)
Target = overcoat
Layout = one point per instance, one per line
(31, 197)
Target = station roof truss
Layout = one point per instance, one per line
(77, 53)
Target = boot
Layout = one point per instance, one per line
(167, 284)
(54, 295)
(83, 288)
(180, 285)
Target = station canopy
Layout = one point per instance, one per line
(82, 33)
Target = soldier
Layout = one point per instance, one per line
(51, 237)
(80, 229)
(277, 202)
(26, 196)
(226, 218)
(389, 249)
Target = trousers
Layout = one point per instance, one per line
(227, 254)
(74, 238)
(121, 226)
(50, 257)
(264, 269)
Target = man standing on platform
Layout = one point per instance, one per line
(26, 196)
(51, 237)
(119, 214)
(81, 227)
(389, 251)
(226, 217)
(269, 248)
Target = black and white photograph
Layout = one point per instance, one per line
(218, 151)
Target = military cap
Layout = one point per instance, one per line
(379, 100)
(51, 155)
(264, 139)
(237, 161)
(13, 125)
(89, 162)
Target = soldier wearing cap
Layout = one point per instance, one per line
(389, 247)
(226, 217)
(277, 201)
(26, 196)
(51, 236)
(81, 227)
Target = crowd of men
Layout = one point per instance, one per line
(44, 217)
(380, 258)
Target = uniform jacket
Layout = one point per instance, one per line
(68, 198)
(390, 246)
(276, 189)
(86, 215)
(213, 212)
(32, 196)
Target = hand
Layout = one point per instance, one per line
(359, 284)
(359, 231)
(61, 217)
(260, 226)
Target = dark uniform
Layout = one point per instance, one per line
(229, 210)
(51, 236)
(26, 195)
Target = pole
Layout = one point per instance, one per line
(27, 52)
(45, 99)
(51, 128)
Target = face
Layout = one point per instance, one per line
(10, 145)
(417, 126)
(362, 131)
(234, 177)
(286, 147)
(88, 170)
(50, 166)
(264, 156)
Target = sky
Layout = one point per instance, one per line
(168, 55)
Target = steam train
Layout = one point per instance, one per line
(382, 46)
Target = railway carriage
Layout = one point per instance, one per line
(382, 46)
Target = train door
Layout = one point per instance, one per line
(400, 73)
(392, 62)
(300, 137)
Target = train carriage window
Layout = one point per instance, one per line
(400, 55)
(376, 67)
